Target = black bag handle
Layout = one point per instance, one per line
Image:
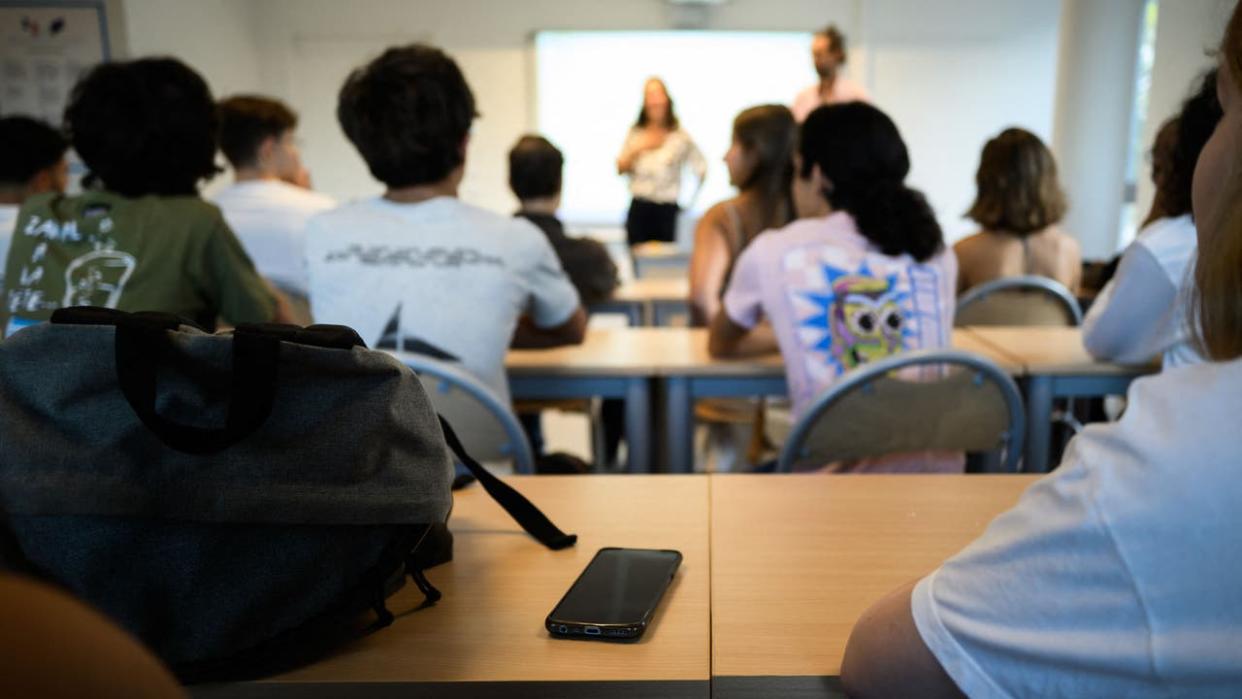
(141, 341)
(535, 523)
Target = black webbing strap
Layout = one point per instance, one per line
(524, 511)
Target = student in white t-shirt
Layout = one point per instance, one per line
(269, 202)
(32, 161)
(1118, 574)
(417, 261)
(1140, 313)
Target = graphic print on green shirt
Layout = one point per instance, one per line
(171, 254)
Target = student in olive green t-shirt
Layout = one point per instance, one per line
(139, 238)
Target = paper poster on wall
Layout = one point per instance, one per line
(44, 49)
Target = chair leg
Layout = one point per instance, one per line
(598, 450)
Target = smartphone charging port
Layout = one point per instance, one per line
(591, 631)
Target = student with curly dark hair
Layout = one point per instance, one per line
(33, 162)
(1140, 313)
(139, 238)
(417, 262)
(861, 275)
(1018, 206)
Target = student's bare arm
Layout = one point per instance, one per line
(727, 339)
(530, 336)
(886, 656)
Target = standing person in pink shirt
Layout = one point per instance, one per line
(829, 53)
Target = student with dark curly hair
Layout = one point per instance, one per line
(861, 275)
(417, 262)
(1018, 205)
(33, 162)
(139, 238)
(1140, 313)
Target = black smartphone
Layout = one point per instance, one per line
(616, 595)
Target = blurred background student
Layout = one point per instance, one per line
(1018, 205)
(1140, 314)
(760, 163)
(264, 206)
(656, 152)
(142, 238)
(32, 161)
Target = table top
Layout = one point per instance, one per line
(796, 559)
(1048, 350)
(675, 351)
(653, 289)
(501, 585)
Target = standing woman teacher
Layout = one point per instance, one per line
(656, 151)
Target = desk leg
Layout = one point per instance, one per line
(635, 313)
(680, 415)
(638, 424)
(1039, 423)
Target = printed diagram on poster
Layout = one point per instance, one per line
(44, 48)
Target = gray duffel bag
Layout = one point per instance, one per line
(238, 501)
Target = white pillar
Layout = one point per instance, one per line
(1096, 71)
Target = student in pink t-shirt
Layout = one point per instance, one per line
(861, 275)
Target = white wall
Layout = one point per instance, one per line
(952, 75)
(217, 37)
(309, 45)
(1186, 31)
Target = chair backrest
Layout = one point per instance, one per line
(1025, 300)
(911, 402)
(486, 426)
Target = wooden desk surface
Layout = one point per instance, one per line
(678, 351)
(654, 289)
(502, 584)
(796, 559)
(1047, 349)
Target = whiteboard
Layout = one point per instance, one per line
(589, 91)
(44, 49)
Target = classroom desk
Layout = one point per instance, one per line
(649, 301)
(797, 558)
(610, 363)
(485, 638)
(1054, 365)
(690, 373)
(657, 259)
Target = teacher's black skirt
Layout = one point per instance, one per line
(648, 220)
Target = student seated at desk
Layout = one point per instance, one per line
(450, 275)
(263, 206)
(1140, 313)
(861, 275)
(1019, 204)
(139, 238)
(1116, 575)
(535, 168)
(33, 163)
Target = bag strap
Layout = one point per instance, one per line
(524, 511)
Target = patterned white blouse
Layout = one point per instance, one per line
(656, 173)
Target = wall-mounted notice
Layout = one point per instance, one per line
(44, 48)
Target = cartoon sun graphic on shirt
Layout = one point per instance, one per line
(861, 316)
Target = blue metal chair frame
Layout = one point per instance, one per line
(452, 376)
(1024, 283)
(862, 377)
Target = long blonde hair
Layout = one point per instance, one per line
(1217, 299)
